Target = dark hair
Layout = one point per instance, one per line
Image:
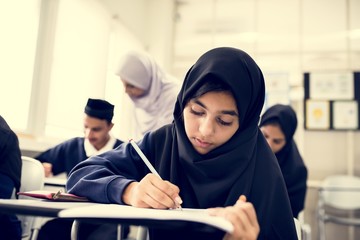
(211, 85)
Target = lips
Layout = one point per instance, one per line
(202, 144)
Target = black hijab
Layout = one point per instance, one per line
(10, 154)
(290, 160)
(240, 72)
(244, 164)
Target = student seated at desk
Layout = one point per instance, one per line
(211, 154)
(10, 176)
(97, 140)
(63, 157)
(278, 125)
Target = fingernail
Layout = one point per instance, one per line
(178, 200)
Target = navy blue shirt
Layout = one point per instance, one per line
(66, 155)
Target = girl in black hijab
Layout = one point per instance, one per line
(208, 157)
(278, 125)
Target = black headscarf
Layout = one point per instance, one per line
(10, 154)
(244, 164)
(290, 160)
(241, 73)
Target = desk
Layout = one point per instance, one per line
(55, 182)
(37, 207)
(114, 213)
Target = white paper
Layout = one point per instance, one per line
(115, 211)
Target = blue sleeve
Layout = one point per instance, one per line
(56, 157)
(103, 178)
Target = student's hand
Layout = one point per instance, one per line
(243, 217)
(47, 169)
(152, 192)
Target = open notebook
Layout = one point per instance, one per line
(115, 211)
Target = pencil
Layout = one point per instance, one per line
(145, 160)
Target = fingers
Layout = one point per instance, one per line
(243, 217)
(153, 192)
(47, 169)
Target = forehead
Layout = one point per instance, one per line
(94, 122)
(217, 100)
(273, 131)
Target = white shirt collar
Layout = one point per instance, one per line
(91, 151)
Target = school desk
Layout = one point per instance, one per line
(114, 213)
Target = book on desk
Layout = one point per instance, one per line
(54, 195)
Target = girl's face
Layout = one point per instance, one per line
(274, 136)
(132, 91)
(210, 120)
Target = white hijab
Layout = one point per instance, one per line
(155, 108)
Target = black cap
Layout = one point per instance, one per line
(101, 109)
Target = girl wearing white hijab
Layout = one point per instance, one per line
(152, 91)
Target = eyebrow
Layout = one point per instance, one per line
(229, 112)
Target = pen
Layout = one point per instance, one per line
(57, 194)
(145, 160)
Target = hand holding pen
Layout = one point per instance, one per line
(152, 191)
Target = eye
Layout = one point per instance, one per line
(278, 141)
(224, 123)
(197, 113)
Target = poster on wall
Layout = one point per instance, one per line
(317, 114)
(335, 86)
(277, 88)
(345, 115)
(332, 101)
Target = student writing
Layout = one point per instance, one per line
(209, 156)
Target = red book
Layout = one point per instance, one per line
(55, 196)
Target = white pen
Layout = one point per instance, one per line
(146, 161)
(144, 158)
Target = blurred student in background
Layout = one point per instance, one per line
(278, 125)
(152, 91)
(10, 177)
(63, 157)
(97, 140)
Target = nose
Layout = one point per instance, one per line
(207, 127)
(88, 133)
(271, 144)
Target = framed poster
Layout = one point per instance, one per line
(332, 86)
(332, 101)
(317, 114)
(345, 115)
